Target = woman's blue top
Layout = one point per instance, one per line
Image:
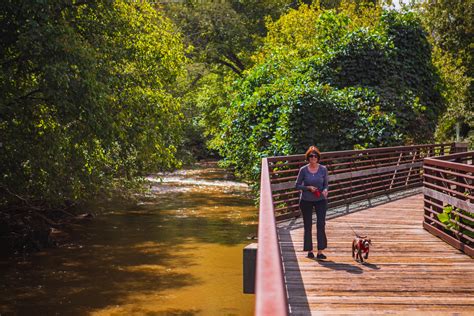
(319, 179)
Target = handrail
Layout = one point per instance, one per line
(448, 181)
(354, 174)
(270, 291)
(334, 154)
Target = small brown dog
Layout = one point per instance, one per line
(360, 246)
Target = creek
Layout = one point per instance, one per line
(178, 251)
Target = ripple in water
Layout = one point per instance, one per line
(190, 180)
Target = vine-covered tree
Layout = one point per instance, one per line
(357, 77)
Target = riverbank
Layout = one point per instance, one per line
(27, 230)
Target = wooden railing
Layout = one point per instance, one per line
(270, 290)
(354, 174)
(448, 189)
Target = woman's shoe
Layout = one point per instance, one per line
(320, 256)
(310, 255)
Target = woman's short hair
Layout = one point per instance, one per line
(313, 150)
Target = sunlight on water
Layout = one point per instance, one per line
(187, 180)
(213, 293)
(177, 252)
(195, 182)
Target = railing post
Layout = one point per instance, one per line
(460, 147)
(250, 265)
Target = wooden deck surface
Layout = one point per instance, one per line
(409, 271)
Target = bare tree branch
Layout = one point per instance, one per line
(231, 66)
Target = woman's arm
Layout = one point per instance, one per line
(299, 181)
(325, 178)
(325, 183)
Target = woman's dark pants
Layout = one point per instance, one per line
(307, 210)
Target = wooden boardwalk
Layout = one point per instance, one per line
(409, 271)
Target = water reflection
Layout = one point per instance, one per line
(176, 253)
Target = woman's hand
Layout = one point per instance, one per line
(325, 193)
(311, 188)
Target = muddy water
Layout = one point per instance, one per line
(178, 252)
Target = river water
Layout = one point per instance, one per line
(177, 252)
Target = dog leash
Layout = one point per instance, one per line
(356, 234)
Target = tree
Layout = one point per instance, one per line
(221, 37)
(357, 77)
(84, 98)
(216, 32)
(451, 29)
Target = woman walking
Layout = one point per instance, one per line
(313, 182)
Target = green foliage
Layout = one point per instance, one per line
(200, 103)
(84, 97)
(394, 60)
(450, 25)
(216, 32)
(224, 33)
(357, 78)
(456, 91)
(221, 36)
(453, 219)
(449, 218)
